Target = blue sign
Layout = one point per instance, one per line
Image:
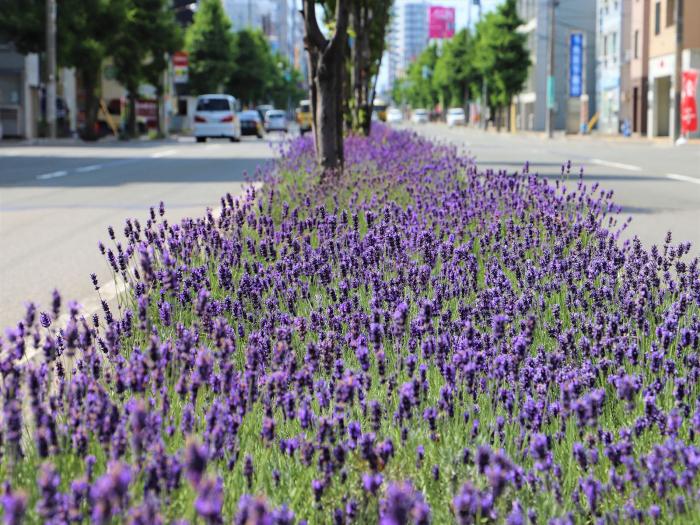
(576, 64)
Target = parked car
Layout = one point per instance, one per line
(304, 116)
(275, 120)
(251, 123)
(419, 116)
(456, 117)
(263, 109)
(394, 116)
(216, 116)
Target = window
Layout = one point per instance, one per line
(670, 12)
(657, 18)
(605, 46)
(613, 50)
(636, 43)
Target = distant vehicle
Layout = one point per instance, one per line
(379, 107)
(275, 120)
(394, 116)
(304, 116)
(456, 117)
(263, 109)
(251, 123)
(419, 116)
(215, 117)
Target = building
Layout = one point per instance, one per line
(413, 32)
(639, 64)
(571, 16)
(613, 65)
(272, 17)
(662, 61)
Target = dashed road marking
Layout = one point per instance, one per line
(165, 153)
(87, 169)
(52, 175)
(682, 178)
(610, 164)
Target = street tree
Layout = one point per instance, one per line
(501, 56)
(454, 71)
(210, 44)
(326, 60)
(147, 31)
(369, 21)
(84, 38)
(254, 68)
(421, 90)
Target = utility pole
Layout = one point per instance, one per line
(50, 98)
(484, 91)
(549, 124)
(677, 74)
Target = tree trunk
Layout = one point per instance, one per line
(326, 59)
(131, 122)
(91, 105)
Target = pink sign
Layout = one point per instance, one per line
(442, 22)
(689, 109)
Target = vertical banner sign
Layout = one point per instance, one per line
(180, 67)
(575, 64)
(550, 92)
(442, 22)
(689, 107)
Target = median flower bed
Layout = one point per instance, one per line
(416, 342)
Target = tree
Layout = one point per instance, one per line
(420, 89)
(86, 33)
(255, 68)
(455, 73)
(148, 31)
(326, 59)
(369, 20)
(501, 55)
(210, 45)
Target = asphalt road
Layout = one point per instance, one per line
(657, 184)
(56, 203)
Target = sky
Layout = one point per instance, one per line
(461, 21)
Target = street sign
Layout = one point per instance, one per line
(689, 108)
(575, 65)
(180, 67)
(442, 22)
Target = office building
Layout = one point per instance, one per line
(571, 16)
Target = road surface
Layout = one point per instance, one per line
(657, 184)
(56, 203)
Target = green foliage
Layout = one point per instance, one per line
(259, 75)
(22, 23)
(210, 44)
(500, 54)
(455, 72)
(420, 89)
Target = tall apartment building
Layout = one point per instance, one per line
(269, 16)
(639, 64)
(613, 56)
(531, 104)
(662, 60)
(414, 31)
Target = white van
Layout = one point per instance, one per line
(216, 116)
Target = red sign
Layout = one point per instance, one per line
(442, 22)
(689, 107)
(180, 67)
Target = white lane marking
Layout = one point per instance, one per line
(91, 167)
(682, 178)
(212, 146)
(610, 164)
(52, 175)
(165, 153)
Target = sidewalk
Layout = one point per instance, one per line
(595, 136)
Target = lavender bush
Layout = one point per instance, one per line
(418, 342)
